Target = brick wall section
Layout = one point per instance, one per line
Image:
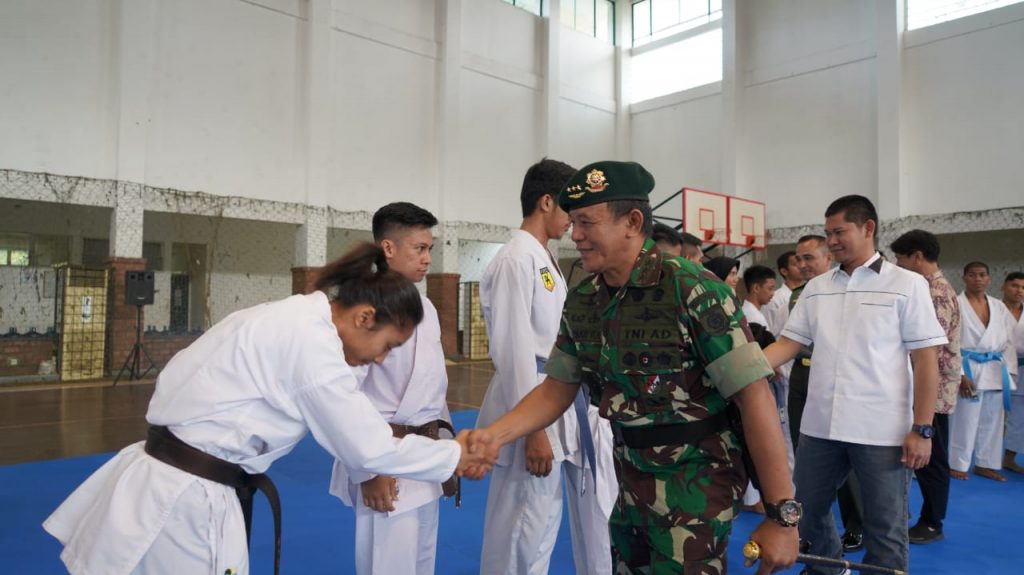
(121, 317)
(161, 347)
(443, 292)
(26, 352)
(303, 279)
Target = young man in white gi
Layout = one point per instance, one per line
(522, 293)
(397, 519)
(989, 367)
(1013, 297)
(759, 282)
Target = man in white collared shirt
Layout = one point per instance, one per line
(865, 411)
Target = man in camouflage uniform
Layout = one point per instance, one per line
(661, 346)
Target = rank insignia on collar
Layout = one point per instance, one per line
(547, 278)
(596, 181)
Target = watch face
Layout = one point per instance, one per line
(790, 512)
(926, 431)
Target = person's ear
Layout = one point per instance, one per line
(365, 316)
(389, 248)
(869, 228)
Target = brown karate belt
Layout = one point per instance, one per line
(161, 444)
(451, 487)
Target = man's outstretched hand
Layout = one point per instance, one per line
(479, 453)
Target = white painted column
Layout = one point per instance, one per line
(449, 69)
(889, 102)
(623, 80)
(311, 237)
(732, 96)
(552, 80)
(134, 23)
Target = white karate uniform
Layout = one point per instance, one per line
(408, 388)
(246, 392)
(1014, 440)
(522, 293)
(776, 312)
(976, 427)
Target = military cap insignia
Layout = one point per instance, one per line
(714, 320)
(596, 181)
(575, 192)
(547, 278)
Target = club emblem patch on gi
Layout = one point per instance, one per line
(547, 278)
(596, 181)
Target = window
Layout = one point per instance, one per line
(921, 13)
(592, 17)
(33, 250)
(153, 252)
(654, 19)
(95, 252)
(688, 63)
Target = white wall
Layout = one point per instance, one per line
(962, 108)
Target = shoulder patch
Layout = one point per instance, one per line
(547, 278)
(714, 320)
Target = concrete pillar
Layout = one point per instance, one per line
(443, 292)
(121, 316)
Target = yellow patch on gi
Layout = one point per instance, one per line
(548, 279)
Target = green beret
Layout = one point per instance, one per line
(604, 182)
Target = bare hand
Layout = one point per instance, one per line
(479, 453)
(916, 451)
(538, 454)
(380, 493)
(779, 547)
(967, 388)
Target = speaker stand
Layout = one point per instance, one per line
(134, 359)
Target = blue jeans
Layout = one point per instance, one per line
(821, 466)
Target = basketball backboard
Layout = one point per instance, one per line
(746, 223)
(706, 215)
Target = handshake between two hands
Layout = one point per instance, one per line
(479, 453)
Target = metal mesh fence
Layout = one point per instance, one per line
(81, 322)
(472, 328)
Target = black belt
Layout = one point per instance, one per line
(690, 433)
(163, 445)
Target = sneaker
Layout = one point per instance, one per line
(923, 534)
(852, 541)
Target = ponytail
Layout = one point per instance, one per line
(362, 276)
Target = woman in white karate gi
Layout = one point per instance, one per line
(245, 393)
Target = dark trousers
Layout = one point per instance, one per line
(934, 477)
(851, 508)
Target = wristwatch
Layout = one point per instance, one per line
(925, 431)
(786, 512)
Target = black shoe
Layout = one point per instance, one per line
(852, 541)
(923, 534)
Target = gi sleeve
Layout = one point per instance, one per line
(720, 335)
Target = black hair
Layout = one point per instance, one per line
(973, 265)
(621, 208)
(782, 262)
(757, 275)
(666, 234)
(691, 240)
(545, 178)
(917, 241)
(400, 215)
(362, 276)
(821, 241)
(721, 266)
(1013, 276)
(855, 209)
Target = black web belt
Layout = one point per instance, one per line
(161, 444)
(688, 433)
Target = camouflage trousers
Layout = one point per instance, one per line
(675, 507)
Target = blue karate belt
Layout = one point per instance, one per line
(967, 356)
(579, 404)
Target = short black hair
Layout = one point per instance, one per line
(1013, 276)
(666, 234)
(782, 262)
(855, 209)
(973, 265)
(545, 178)
(691, 240)
(757, 275)
(917, 241)
(399, 215)
(621, 208)
(820, 240)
